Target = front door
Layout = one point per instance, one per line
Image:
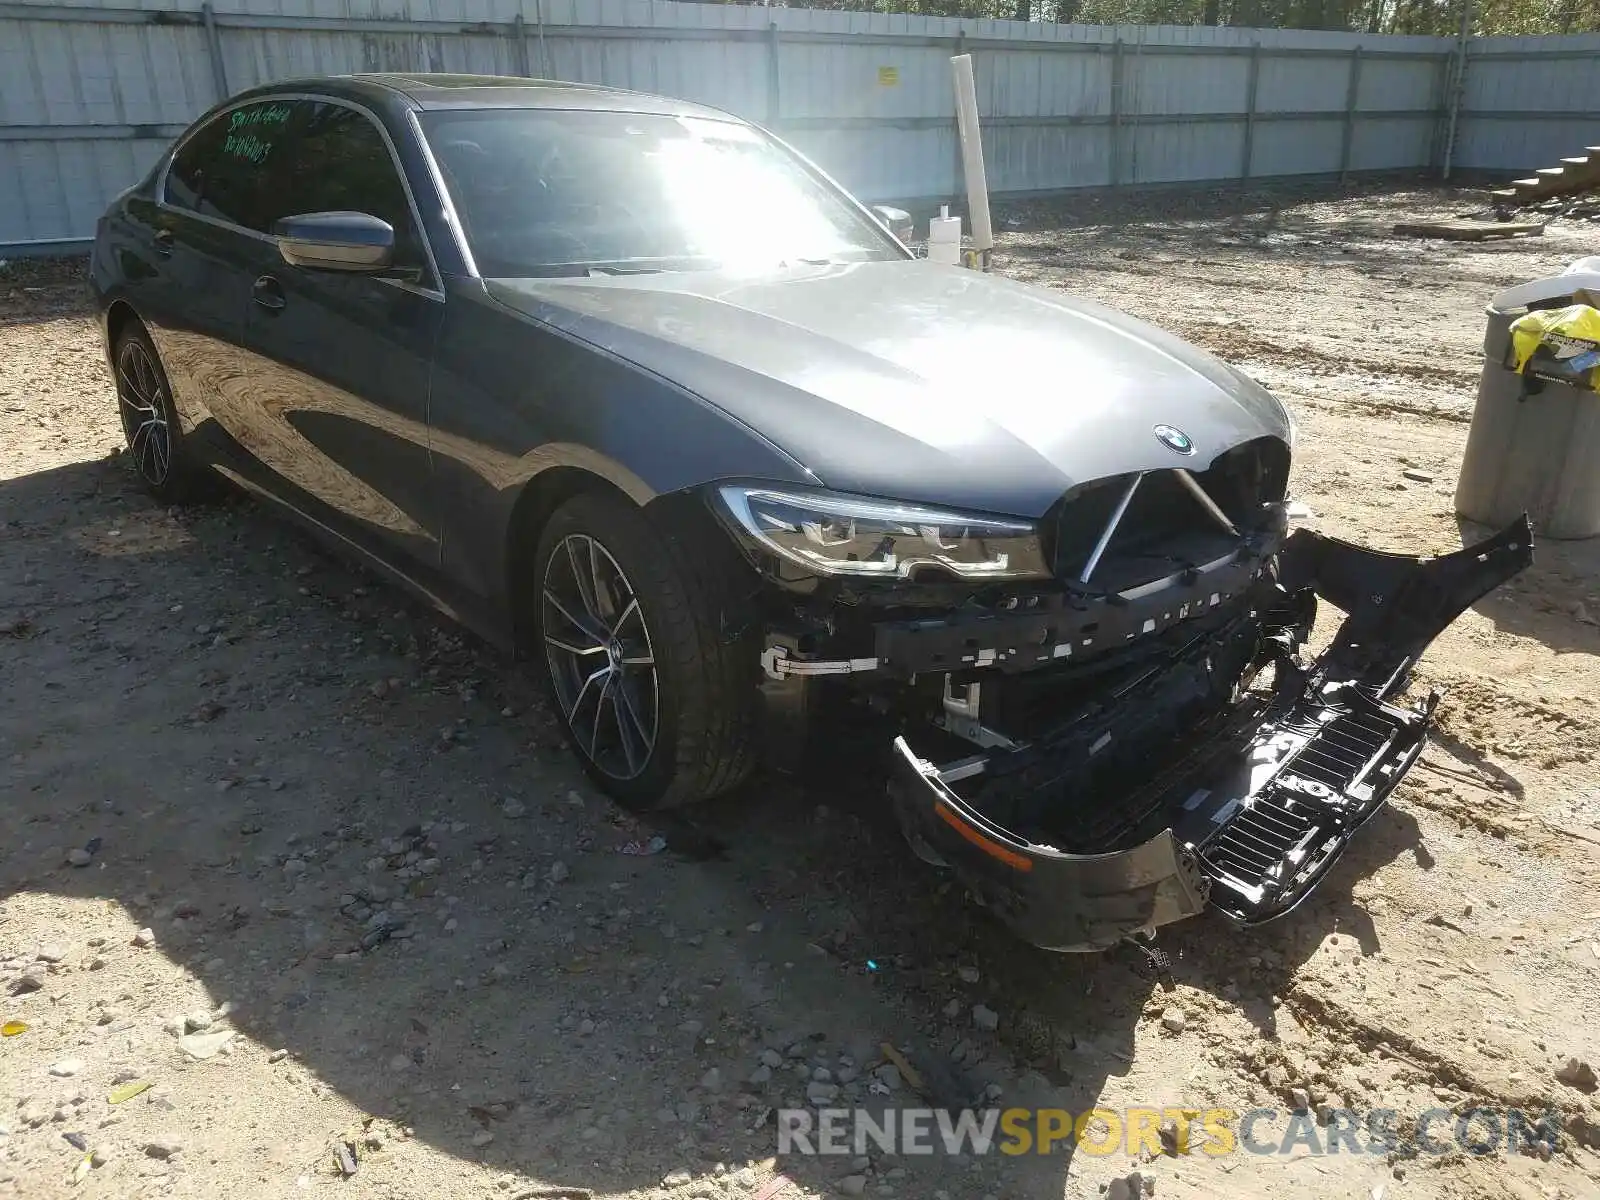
(331, 414)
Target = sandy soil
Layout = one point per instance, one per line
(272, 756)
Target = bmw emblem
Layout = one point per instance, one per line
(1175, 439)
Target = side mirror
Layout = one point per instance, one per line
(335, 241)
(897, 219)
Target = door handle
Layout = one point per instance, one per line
(268, 293)
(163, 242)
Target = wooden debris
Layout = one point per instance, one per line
(1470, 231)
(344, 1158)
(907, 1071)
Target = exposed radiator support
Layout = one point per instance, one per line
(1206, 502)
(1110, 529)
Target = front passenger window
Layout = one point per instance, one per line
(340, 162)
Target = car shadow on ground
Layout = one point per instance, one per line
(1556, 601)
(268, 751)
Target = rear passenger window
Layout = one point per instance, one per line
(221, 170)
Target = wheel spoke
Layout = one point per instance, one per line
(630, 610)
(599, 707)
(622, 701)
(147, 372)
(584, 580)
(602, 594)
(141, 442)
(581, 626)
(163, 449)
(559, 644)
(603, 673)
(139, 402)
(623, 738)
(136, 366)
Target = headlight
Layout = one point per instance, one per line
(834, 534)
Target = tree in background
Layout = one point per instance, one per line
(1439, 17)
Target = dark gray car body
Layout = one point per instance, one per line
(430, 424)
(900, 379)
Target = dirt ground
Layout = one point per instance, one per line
(269, 759)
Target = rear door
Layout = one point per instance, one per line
(333, 419)
(196, 247)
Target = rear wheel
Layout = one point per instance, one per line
(655, 700)
(150, 422)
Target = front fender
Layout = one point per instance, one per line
(513, 397)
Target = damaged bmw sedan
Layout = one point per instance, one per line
(632, 388)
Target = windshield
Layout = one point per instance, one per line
(570, 192)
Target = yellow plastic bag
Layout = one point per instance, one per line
(1559, 344)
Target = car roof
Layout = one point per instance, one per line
(434, 90)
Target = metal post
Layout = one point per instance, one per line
(1352, 96)
(957, 162)
(1251, 87)
(544, 50)
(219, 71)
(1132, 83)
(1458, 87)
(519, 36)
(972, 169)
(1114, 150)
(774, 100)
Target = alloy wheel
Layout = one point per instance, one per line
(601, 661)
(143, 403)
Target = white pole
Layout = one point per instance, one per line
(972, 156)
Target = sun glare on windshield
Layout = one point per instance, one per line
(576, 192)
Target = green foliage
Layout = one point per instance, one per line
(1490, 17)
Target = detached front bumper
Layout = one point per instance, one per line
(1261, 798)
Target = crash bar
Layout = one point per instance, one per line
(1206, 502)
(1111, 528)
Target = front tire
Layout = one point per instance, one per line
(150, 422)
(656, 698)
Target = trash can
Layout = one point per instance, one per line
(1534, 445)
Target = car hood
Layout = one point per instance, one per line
(918, 381)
